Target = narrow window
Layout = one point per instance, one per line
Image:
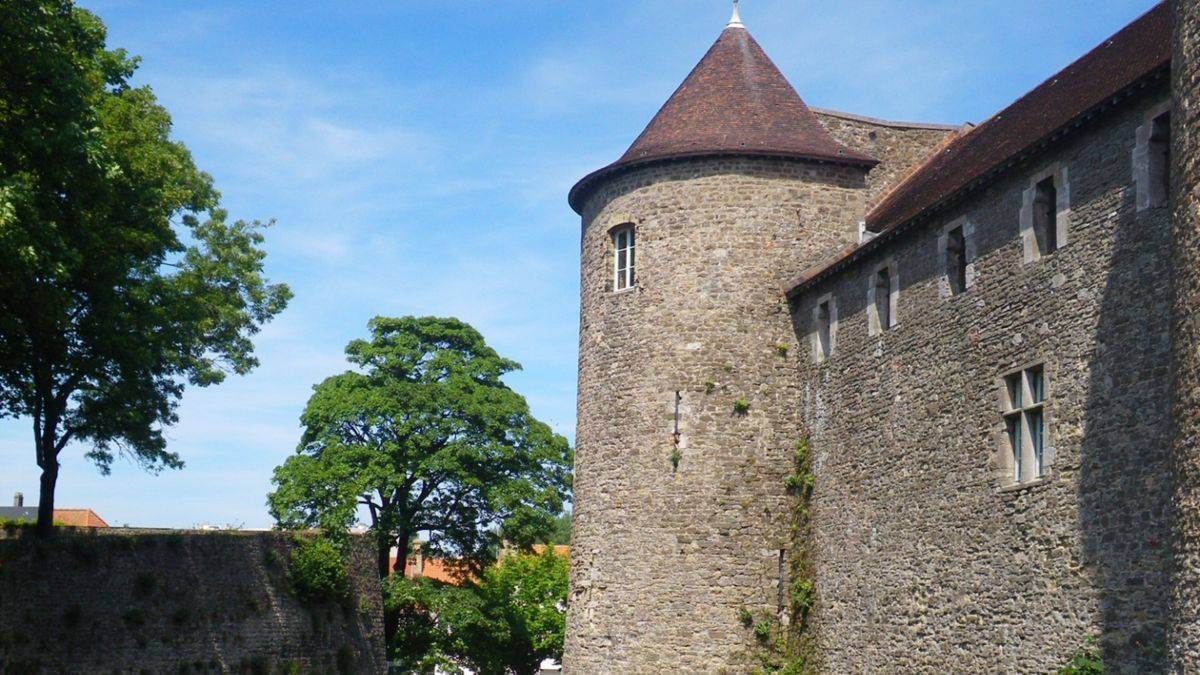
(1045, 216)
(883, 298)
(1025, 424)
(824, 330)
(623, 258)
(1160, 159)
(956, 260)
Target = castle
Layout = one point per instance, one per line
(986, 335)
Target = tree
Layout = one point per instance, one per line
(426, 437)
(508, 622)
(122, 279)
(561, 534)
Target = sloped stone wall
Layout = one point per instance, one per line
(900, 147)
(1186, 328)
(120, 601)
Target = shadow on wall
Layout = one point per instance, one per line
(1124, 483)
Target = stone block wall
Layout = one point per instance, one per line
(899, 146)
(664, 557)
(924, 557)
(126, 601)
(1186, 174)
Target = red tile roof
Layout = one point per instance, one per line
(1139, 50)
(78, 518)
(734, 102)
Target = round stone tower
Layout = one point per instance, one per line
(688, 407)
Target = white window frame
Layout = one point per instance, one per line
(1020, 465)
(1062, 220)
(945, 287)
(624, 239)
(1151, 193)
(821, 350)
(874, 324)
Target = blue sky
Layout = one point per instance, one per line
(417, 157)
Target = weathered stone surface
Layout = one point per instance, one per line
(899, 146)
(122, 601)
(1186, 333)
(923, 558)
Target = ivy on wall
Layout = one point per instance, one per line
(784, 643)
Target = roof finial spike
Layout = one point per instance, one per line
(736, 20)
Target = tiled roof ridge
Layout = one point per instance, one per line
(879, 121)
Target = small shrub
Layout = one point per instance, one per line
(762, 631)
(1087, 661)
(741, 406)
(802, 595)
(676, 455)
(745, 617)
(781, 349)
(709, 386)
(317, 572)
(271, 558)
(728, 367)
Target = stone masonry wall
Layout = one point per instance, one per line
(924, 561)
(898, 146)
(1186, 173)
(119, 601)
(662, 558)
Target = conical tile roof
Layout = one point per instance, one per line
(734, 102)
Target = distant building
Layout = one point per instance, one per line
(70, 517)
(448, 571)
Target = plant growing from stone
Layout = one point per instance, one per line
(741, 406)
(781, 349)
(709, 386)
(676, 456)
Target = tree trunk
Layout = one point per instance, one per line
(383, 559)
(45, 521)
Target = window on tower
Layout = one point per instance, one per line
(624, 247)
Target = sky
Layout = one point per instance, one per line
(416, 157)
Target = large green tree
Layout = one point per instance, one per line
(122, 280)
(425, 436)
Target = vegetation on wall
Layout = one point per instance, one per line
(317, 572)
(1086, 661)
(508, 621)
(785, 643)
